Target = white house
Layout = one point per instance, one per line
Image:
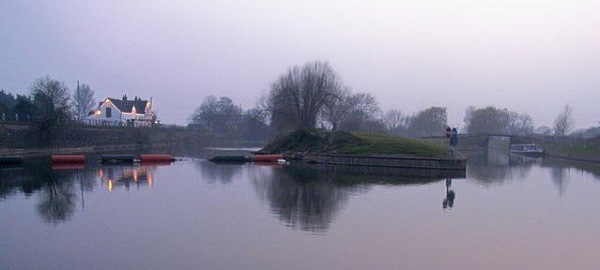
(112, 111)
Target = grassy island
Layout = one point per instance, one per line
(359, 143)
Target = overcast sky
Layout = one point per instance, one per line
(532, 56)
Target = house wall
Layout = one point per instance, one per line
(129, 116)
(115, 115)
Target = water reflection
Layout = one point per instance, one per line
(56, 198)
(496, 167)
(302, 199)
(124, 176)
(448, 202)
(218, 173)
(497, 157)
(560, 171)
(308, 197)
(559, 179)
(60, 189)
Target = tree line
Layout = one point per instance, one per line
(49, 102)
(313, 96)
(307, 96)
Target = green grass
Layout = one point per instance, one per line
(361, 143)
(576, 148)
(385, 144)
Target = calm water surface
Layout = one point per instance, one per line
(508, 213)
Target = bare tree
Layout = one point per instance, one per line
(83, 100)
(396, 122)
(297, 97)
(563, 123)
(520, 124)
(430, 122)
(364, 114)
(337, 108)
(51, 99)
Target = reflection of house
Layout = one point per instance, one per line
(113, 176)
(136, 112)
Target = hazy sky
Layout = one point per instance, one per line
(525, 55)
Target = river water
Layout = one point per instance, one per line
(507, 213)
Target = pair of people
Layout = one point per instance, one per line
(449, 200)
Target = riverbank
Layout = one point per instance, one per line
(28, 140)
(568, 148)
(313, 141)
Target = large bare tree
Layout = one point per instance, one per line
(297, 97)
(83, 100)
(563, 123)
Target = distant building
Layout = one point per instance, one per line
(124, 112)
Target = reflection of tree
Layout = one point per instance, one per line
(302, 199)
(215, 173)
(86, 179)
(589, 167)
(308, 197)
(87, 182)
(57, 199)
(14, 180)
(56, 189)
(559, 177)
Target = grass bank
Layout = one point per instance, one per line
(573, 148)
(360, 143)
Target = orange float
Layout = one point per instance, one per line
(62, 159)
(155, 158)
(266, 158)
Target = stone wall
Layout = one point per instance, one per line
(498, 143)
(391, 162)
(23, 136)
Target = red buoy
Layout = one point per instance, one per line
(62, 159)
(155, 158)
(267, 158)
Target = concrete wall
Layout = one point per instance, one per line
(73, 135)
(499, 143)
(391, 171)
(391, 162)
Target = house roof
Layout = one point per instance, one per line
(127, 105)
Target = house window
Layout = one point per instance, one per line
(108, 112)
